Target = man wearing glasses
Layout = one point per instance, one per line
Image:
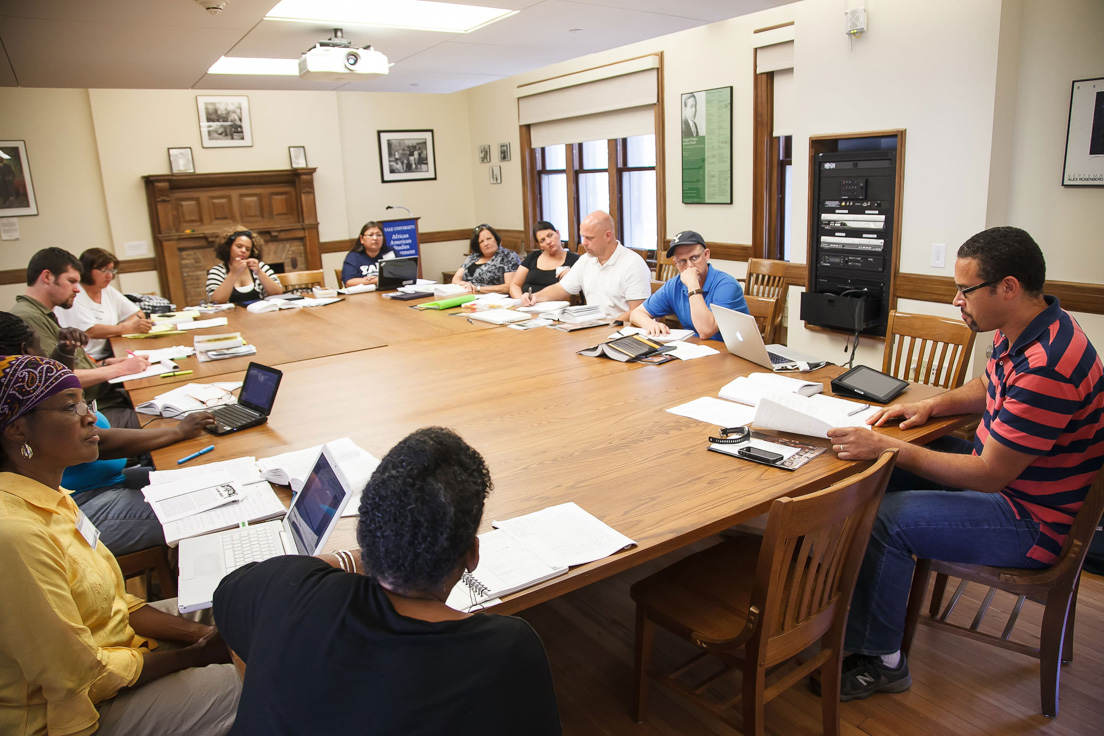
(1025, 475)
(690, 295)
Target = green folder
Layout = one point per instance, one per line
(455, 301)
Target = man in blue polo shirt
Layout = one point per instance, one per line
(690, 295)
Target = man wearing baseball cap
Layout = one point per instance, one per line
(690, 295)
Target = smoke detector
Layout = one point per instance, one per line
(214, 7)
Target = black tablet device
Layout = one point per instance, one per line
(866, 383)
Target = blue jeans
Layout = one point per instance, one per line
(918, 519)
(125, 520)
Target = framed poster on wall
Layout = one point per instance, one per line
(1084, 165)
(17, 197)
(707, 146)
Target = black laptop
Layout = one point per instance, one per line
(396, 272)
(258, 394)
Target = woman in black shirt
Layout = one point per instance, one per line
(381, 653)
(542, 267)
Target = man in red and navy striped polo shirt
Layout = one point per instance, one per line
(1038, 449)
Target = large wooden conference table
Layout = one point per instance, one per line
(358, 322)
(553, 427)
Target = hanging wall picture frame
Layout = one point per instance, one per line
(407, 155)
(224, 121)
(707, 146)
(17, 197)
(1084, 163)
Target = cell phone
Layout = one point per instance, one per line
(763, 456)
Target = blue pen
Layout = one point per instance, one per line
(194, 455)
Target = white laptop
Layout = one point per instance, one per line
(742, 338)
(314, 513)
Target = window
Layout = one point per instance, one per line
(618, 176)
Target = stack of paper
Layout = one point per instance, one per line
(165, 366)
(580, 314)
(358, 289)
(258, 502)
(498, 316)
(804, 415)
(201, 324)
(749, 389)
(443, 290)
(176, 352)
(544, 307)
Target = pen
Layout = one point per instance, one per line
(175, 373)
(131, 354)
(194, 455)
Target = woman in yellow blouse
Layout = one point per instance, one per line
(76, 651)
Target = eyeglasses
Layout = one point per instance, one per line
(108, 271)
(79, 408)
(477, 228)
(964, 290)
(681, 262)
(373, 235)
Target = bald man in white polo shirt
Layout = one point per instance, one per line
(612, 277)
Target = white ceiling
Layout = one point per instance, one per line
(170, 44)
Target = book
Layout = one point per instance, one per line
(580, 314)
(544, 307)
(292, 468)
(201, 324)
(568, 327)
(506, 565)
(803, 415)
(749, 389)
(530, 549)
(498, 316)
(625, 349)
(190, 397)
(203, 343)
(449, 303)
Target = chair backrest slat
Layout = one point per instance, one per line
(927, 349)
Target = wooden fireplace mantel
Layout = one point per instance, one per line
(189, 211)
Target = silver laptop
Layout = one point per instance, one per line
(314, 513)
(742, 338)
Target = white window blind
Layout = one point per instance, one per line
(783, 102)
(614, 101)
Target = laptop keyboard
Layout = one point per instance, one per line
(777, 359)
(233, 415)
(250, 545)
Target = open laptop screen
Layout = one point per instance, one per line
(316, 507)
(396, 272)
(259, 388)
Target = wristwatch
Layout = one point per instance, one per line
(692, 293)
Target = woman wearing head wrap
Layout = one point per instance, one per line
(76, 651)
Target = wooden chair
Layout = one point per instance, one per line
(665, 271)
(301, 281)
(149, 562)
(1054, 587)
(767, 278)
(767, 314)
(772, 600)
(927, 349)
(337, 276)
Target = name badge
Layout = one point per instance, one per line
(87, 530)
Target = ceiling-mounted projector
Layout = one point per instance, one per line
(335, 60)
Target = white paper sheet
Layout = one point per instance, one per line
(573, 535)
(718, 412)
(157, 369)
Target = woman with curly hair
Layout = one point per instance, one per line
(241, 276)
(489, 267)
(333, 652)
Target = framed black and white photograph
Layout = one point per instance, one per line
(496, 174)
(298, 155)
(180, 160)
(485, 153)
(503, 151)
(407, 155)
(1084, 165)
(17, 197)
(224, 121)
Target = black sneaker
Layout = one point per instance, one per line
(864, 675)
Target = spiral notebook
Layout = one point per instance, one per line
(506, 565)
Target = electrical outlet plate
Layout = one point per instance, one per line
(939, 255)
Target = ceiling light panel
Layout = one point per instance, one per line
(411, 14)
(243, 65)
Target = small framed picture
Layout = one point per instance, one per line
(503, 151)
(298, 155)
(485, 154)
(406, 155)
(1084, 164)
(224, 121)
(180, 161)
(496, 174)
(17, 197)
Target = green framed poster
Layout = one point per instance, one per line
(707, 146)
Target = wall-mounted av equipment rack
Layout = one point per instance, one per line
(851, 241)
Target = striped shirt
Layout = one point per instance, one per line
(218, 273)
(1046, 398)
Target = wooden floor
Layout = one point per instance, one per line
(959, 686)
